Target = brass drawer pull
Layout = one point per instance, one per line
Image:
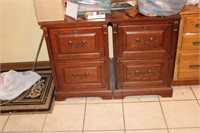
(196, 43)
(80, 76)
(194, 66)
(197, 25)
(149, 71)
(83, 43)
(151, 39)
(70, 42)
(137, 72)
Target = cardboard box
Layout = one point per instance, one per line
(49, 10)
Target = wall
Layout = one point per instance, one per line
(20, 34)
(1, 40)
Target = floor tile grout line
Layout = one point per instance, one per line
(146, 129)
(163, 115)
(124, 119)
(184, 127)
(178, 100)
(84, 115)
(103, 130)
(198, 100)
(5, 123)
(140, 101)
(44, 122)
(104, 102)
(193, 93)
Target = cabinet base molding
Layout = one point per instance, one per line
(60, 96)
(163, 91)
(185, 82)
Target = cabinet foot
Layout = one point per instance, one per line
(61, 96)
(163, 91)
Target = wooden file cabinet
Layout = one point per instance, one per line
(144, 49)
(78, 55)
(144, 55)
(187, 67)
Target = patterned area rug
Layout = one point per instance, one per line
(39, 98)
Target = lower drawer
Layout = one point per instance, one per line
(81, 76)
(142, 74)
(189, 66)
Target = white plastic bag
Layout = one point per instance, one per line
(160, 7)
(13, 83)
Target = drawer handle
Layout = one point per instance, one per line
(151, 39)
(83, 43)
(137, 72)
(80, 76)
(194, 66)
(197, 25)
(149, 71)
(196, 43)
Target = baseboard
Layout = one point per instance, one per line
(24, 65)
(185, 82)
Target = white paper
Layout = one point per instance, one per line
(110, 42)
(72, 9)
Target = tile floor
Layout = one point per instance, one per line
(133, 114)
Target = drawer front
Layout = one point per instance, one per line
(144, 41)
(189, 66)
(81, 76)
(77, 43)
(191, 42)
(142, 74)
(192, 24)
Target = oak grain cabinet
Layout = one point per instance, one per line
(187, 67)
(144, 53)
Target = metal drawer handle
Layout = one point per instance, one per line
(80, 76)
(149, 71)
(70, 42)
(194, 66)
(137, 72)
(83, 43)
(196, 43)
(151, 39)
(197, 25)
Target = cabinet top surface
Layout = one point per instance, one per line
(190, 10)
(114, 16)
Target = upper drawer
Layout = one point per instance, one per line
(144, 41)
(191, 42)
(192, 24)
(77, 43)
